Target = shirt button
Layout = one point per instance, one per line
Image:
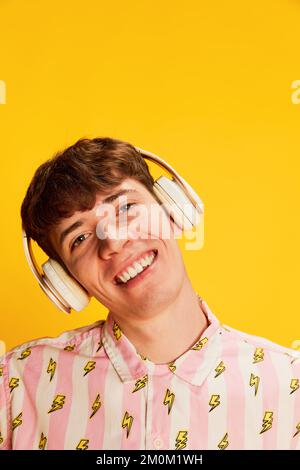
(158, 443)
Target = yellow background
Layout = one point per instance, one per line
(206, 85)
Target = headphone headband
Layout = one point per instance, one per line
(164, 165)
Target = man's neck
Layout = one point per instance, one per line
(165, 337)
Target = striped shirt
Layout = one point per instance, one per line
(90, 389)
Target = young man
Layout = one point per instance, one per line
(161, 372)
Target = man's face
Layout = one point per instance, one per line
(97, 247)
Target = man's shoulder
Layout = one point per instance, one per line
(69, 340)
(261, 345)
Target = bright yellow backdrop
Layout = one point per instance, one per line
(206, 85)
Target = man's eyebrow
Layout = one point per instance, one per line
(70, 229)
(112, 197)
(80, 222)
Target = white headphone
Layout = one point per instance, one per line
(178, 199)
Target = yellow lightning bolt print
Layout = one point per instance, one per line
(258, 355)
(214, 402)
(140, 383)
(127, 422)
(96, 405)
(25, 354)
(1, 371)
(90, 365)
(69, 347)
(223, 442)
(1, 438)
(43, 441)
(13, 383)
(254, 382)
(58, 403)
(200, 344)
(219, 369)
(117, 331)
(169, 400)
(172, 366)
(17, 421)
(83, 444)
(294, 385)
(181, 440)
(298, 430)
(267, 421)
(51, 368)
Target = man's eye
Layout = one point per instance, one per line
(78, 240)
(128, 205)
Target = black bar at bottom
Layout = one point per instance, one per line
(139, 458)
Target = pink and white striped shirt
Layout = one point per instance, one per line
(90, 389)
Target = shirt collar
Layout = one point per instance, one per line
(193, 366)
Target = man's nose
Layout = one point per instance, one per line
(111, 242)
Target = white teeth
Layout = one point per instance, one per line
(132, 271)
(143, 262)
(136, 268)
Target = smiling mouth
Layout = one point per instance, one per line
(136, 269)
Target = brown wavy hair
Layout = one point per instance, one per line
(71, 179)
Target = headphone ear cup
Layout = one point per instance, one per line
(170, 208)
(177, 204)
(67, 287)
